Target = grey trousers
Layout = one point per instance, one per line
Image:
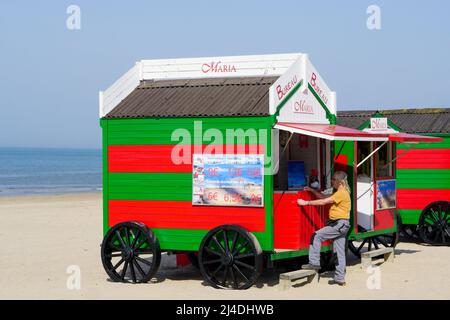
(337, 233)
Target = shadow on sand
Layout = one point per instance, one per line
(269, 277)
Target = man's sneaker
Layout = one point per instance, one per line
(310, 267)
(339, 283)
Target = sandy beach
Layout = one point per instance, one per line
(42, 236)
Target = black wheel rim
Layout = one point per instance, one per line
(409, 231)
(434, 224)
(230, 259)
(130, 253)
(372, 243)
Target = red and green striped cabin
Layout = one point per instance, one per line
(141, 183)
(422, 169)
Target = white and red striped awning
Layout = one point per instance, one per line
(407, 137)
(340, 133)
(330, 132)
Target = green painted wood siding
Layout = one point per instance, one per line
(150, 186)
(423, 178)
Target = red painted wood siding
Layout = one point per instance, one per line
(420, 198)
(175, 214)
(145, 158)
(294, 225)
(183, 215)
(158, 158)
(424, 159)
(383, 219)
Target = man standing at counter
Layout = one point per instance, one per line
(336, 228)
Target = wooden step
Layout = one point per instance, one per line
(286, 278)
(366, 257)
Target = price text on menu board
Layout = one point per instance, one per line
(228, 180)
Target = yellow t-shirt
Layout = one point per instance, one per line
(340, 209)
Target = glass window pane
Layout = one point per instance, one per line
(383, 161)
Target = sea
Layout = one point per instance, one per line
(49, 171)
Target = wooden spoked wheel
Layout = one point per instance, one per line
(434, 223)
(386, 240)
(230, 257)
(373, 243)
(130, 253)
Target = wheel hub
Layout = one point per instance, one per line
(228, 259)
(128, 255)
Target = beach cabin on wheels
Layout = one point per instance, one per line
(422, 169)
(208, 156)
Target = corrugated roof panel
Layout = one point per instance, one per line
(423, 120)
(197, 97)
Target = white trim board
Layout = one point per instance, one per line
(214, 67)
(194, 68)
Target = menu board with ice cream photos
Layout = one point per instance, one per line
(228, 180)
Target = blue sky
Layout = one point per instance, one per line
(51, 75)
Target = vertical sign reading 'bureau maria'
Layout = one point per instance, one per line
(300, 95)
(228, 180)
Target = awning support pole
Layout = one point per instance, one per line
(287, 143)
(366, 158)
(410, 147)
(284, 149)
(334, 159)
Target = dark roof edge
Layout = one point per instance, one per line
(177, 117)
(400, 111)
